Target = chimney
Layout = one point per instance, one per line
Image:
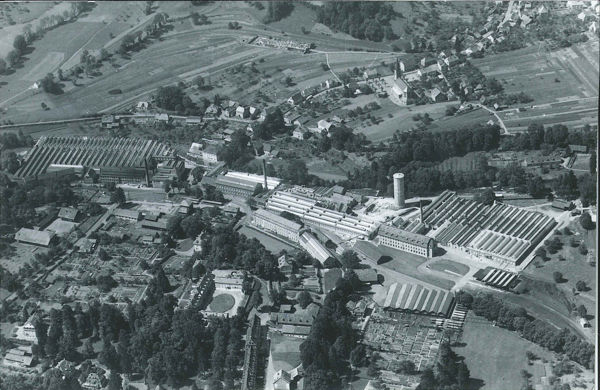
(421, 209)
(264, 162)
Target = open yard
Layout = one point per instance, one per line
(496, 356)
(407, 263)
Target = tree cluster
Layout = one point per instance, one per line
(222, 247)
(326, 351)
(277, 10)
(370, 20)
(450, 373)
(557, 136)
(423, 147)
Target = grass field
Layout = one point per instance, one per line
(496, 356)
(285, 351)
(450, 266)
(221, 303)
(575, 267)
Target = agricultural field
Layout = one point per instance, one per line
(563, 84)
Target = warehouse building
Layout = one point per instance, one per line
(419, 299)
(35, 237)
(406, 241)
(277, 224)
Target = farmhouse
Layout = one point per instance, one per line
(130, 215)
(34, 237)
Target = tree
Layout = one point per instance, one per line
(358, 356)
(593, 159)
(582, 311)
(558, 276)
(581, 286)
(3, 66)
(304, 299)
(167, 186)
(12, 58)
(50, 85)
(486, 196)
(104, 256)
(406, 367)
(20, 44)
(114, 381)
(350, 259)
(586, 221)
(118, 196)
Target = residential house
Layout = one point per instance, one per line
(212, 110)
(298, 133)
(242, 112)
(142, 106)
(324, 125)
(209, 155)
(68, 214)
(295, 99)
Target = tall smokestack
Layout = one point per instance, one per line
(399, 189)
(265, 173)
(421, 208)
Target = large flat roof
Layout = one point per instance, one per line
(34, 236)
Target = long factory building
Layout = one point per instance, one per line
(501, 233)
(342, 224)
(275, 223)
(116, 159)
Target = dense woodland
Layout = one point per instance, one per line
(326, 352)
(362, 20)
(422, 147)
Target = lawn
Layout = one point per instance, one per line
(495, 356)
(449, 266)
(221, 303)
(285, 351)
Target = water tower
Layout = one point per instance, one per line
(399, 189)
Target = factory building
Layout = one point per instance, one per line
(406, 241)
(314, 247)
(345, 225)
(399, 190)
(117, 160)
(501, 233)
(277, 224)
(239, 184)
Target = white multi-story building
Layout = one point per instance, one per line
(276, 224)
(406, 241)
